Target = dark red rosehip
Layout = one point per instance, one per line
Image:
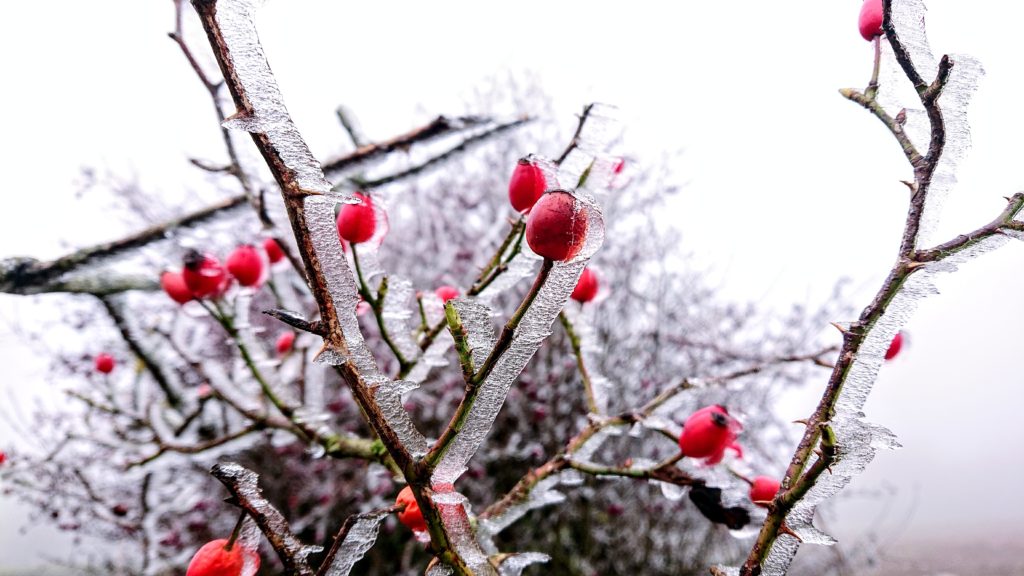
(870, 21)
(557, 226)
(274, 252)
(214, 559)
(246, 265)
(586, 288)
(895, 346)
(526, 185)
(446, 293)
(763, 490)
(707, 433)
(104, 363)
(357, 222)
(174, 286)
(284, 342)
(411, 516)
(204, 275)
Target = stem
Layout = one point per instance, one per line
(574, 341)
(377, 305)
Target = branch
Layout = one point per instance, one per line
(152, 366)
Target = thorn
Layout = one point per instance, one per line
(801, 421)
(901, 117)
(911, 185)
(296, 321)
(784, 529)
(913, 265)
(840, 328)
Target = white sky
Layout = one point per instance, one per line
(789, 186)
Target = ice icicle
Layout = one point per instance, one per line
(514, 564)
(361, 535)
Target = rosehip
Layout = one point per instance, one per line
(446, 293)
(526, 185)
(411, 517)
(619, 166)
(870, 21)
(357, 222)
(3, 457)
(557, 226)
(274, 252)
(174, 285)
(894, 346)
(214, 559)
(763, 490)
(586, 288)
(284, 342)
(707, 433)
(246, 265)
(204, 275)
(104, 363)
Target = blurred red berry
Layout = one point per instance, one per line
(870, 21)
(3, 457)
(557, 226)
(411, 516)
(214, 559)
(707, 433)
(284, 342)
(174, 285)
(446, 293)
(526, 185)
(104, 363)
(586, 288)
(246, 265)
(357, 222)
(763, 490)
(620, 166)
(895, 346)
(274, 252)
(204, 275)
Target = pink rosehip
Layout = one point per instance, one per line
(763, 490)
(214, 559)
(246, 265)
(284, 342)
(357, 222)
(707, 433)
(274, 252)
(526, 185)
(411, 516)
(205, 276)
(174, 286)
(557, 226)
(446, 293)
(895, 346)
(870, 21)
(586, 288)
(104, 363)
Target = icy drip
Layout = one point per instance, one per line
(396, 315)
(269, 114)
(534, 328)
(360, 537)
(514, 564)
(590, 348)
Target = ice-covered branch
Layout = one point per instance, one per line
(155, 369)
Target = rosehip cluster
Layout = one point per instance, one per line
(204, 277)
(216, 558)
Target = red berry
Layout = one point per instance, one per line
(870, 21)
(274, 252)
(213, 559)
(357, 222)
(763, 490)
(894, 346)
(285, 341)
(707, 433)
(619, 166)
(586, 288)
(246, 265)
(526, 186)
(446, 293)
(3, 457)
(557, 226)
(174, 285)
(204, 275)
(104, 363)
(411, 517)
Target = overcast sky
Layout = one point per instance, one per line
(789, 187)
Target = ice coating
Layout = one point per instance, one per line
(514, 564)
(396, 315)
(435, 356)
(591, 348)
(476, 318)
(358, 539)
(601, 127)
(269, 114)
(542, 494)
(439, 569)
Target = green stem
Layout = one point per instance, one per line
(377, 305)
(574, 341)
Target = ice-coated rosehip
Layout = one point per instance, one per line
(446, 293)
(763, 490)
(174, 285)
(870, 21)
(586, 288)
(214, 559)
(526, 185)
(284, 342)
(357, 222)
(104, 363)
(246, 265)
(204, 275)
(557, 226)
(707, 433)
(274, 252)
(895, 346)
(411, 516)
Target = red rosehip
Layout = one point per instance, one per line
(763, 490)
(274, 252)
(411, 516)
(357, 222)
(894, 346)
(246, 265)
(3, 457)
(870, 21)
(619, 166)
(586, 288)
(204, 275)
(707, 433)
(104, 363)
(284, 342)
(174, 285)
(526, 185)
(446, 293)
(214, 559)
(557, 226)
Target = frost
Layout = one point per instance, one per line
(358, 539)
(514, 564)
